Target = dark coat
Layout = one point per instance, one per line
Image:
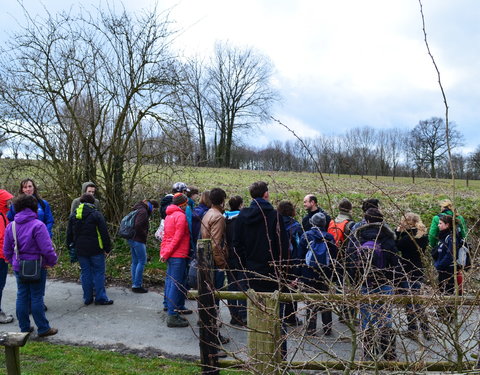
(261, 241)
(411, 250)
(141, 222)
(442, 254)
(88, 232)
(306, 219)
(381, 234)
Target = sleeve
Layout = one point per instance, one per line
(217, 232)
(44, 243)
(11, 213)
(74, 206)
(103, 230)
(70, 236)
(238, 240)
(433, 232)
(48, 219)
(8, 244)
(141, 222)
(178, 223)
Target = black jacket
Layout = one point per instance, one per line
(411, 250)
(306, 219)
(141, 222)
(261, 242)
(88, 232)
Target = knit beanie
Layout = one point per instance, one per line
(373, 215)
(179, 199)
(318, 220)
(345, 205)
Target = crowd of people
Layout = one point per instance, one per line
(256, 246)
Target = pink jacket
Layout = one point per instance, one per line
(176, 237)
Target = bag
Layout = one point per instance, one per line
(370, 253)
(463, 256)
(30, 270)
(127, 226)
(160, 231)
(337, 230)
(317, 254)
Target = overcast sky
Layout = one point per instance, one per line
(338, 64)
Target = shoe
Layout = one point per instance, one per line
(89, 302)
(183, 311)
(103, 303)
(5, 319)
(239, 322)
(50, 332)
(223, 340)
(327, 332)
(176, 321)
(45, 308)
(30, 330)
(139, 290)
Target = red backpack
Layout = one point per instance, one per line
(337, 230)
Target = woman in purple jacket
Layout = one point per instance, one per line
(33, 243)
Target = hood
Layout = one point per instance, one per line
(84, 210)
(141, 206)
(85, 184)
(25, 216)
(231, 214)
(257, 210)
(342, 216)
(374, 231)
(320, 235)
(173, 208)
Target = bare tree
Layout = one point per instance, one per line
(428, 143)
(80, 89)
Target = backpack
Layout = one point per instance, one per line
(127, 225)
(371, 253)
(317, 254)
(337, 230)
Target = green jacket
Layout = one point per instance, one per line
(433, 232)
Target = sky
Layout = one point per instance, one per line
(337, 64)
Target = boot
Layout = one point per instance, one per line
(176, 321)
(387, 345)
(311, 320)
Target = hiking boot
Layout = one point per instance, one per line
(5, 319)
(50, 332)
(176, 321)
(139, 290)
(104, 303)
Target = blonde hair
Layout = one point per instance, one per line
(446, 203)
(413, 221)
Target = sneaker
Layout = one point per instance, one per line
(139, 290)
(104, 303)
(176, 321)
(183, 311)
(50, 332)
(5, 319)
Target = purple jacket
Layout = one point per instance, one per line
(33, 240)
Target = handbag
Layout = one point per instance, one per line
(30, 270)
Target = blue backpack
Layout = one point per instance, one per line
(127, 226)
(371, 253)
(317, 254)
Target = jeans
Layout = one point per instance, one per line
(139, 258)
(176, 276)
(93, 276)
(30, 298)
(3, 278)
(376, 315)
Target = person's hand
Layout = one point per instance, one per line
(163, 260)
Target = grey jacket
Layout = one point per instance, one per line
(76, 201)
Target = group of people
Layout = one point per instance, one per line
(256, 246)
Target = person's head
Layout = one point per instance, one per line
(445, 204)
(259, 189)
(180, 200)
(205, 198)
(87, 198)
(28, 187)
(373, 215)
(411, 221)
(235, 203)
(445, 222)
(217, 196)
(24, 201)
(192, 192)
(345, 206)
(286, 208)
(370, 203)
(90, 189)
(310, 202)
(319, 220)
(180, 187)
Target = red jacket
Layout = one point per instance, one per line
(176, 238)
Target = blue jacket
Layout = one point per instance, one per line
(44, 215)
(442, 254)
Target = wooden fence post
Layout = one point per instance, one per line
(12, 341)
(207, 310)
(264, 349)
